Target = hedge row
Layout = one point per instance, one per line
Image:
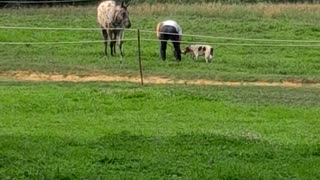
(223, 1)
(164, 1)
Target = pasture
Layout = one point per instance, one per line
(120, 130)
(116, 130)
(235, 63)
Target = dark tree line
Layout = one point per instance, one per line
(9, 3)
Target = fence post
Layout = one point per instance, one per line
(139, 57)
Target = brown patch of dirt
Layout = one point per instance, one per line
(36, 76)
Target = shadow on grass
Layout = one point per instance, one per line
(137, 156)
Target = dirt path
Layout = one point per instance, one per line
(35, 76)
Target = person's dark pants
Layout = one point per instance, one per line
(174, 37)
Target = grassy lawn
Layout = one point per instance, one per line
(232, 63)
(120, 130)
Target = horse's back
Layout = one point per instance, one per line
(106, 5)
(105, 13)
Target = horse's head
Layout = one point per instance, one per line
(122, 16)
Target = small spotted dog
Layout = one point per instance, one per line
(200, 50)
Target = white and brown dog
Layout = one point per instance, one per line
(200, 50)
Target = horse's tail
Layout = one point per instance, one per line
(158, 30)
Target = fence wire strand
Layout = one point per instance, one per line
(149, 31)
(64, 28)
(240, 44)
(58, 42)
(238, 39)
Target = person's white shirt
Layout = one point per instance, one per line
(174, 24)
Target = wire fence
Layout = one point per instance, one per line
(58, 42)
(240, 44)
(138, 39)
(239, 39)
(62, 28)
(259, 42)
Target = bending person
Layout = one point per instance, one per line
(169, 30)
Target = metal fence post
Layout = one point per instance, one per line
(139, 57)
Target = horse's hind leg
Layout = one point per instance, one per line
(117, 34)
(120, 43)
(120, 47)
(111, 40)
(105, 41)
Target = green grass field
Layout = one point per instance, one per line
(99, 130)
(118, 130)
(232, 63)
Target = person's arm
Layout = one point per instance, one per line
(158, 30)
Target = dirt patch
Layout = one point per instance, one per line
(36, 76)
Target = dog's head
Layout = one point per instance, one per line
(186, 50)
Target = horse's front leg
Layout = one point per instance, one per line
(113, 47)
(111, 41)
(105, 41)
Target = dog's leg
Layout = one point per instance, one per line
(211, 58)
(192, 56)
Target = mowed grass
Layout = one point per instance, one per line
(121, 130)
(232, 63)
